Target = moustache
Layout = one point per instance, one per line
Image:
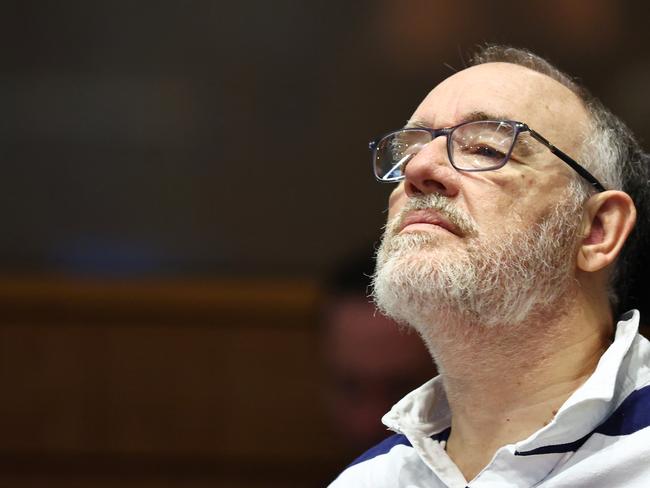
(441, 205)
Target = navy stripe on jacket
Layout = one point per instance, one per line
(631, 416)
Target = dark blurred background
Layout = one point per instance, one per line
(178, 179)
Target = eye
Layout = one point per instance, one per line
(403, 146)
(486, 152)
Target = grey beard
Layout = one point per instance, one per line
(510, 279)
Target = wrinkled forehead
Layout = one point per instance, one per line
(507, 91)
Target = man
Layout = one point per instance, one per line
(516, 195)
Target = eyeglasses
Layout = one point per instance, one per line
(483, 145)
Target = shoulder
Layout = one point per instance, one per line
(383, 447)
(378, 466)
(614, 453)
(631, 416)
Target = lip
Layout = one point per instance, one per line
(424, 220)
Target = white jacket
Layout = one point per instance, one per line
(600, 437)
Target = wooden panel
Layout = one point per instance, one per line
(223, 302)
(216, 381)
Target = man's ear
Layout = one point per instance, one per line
(608, 219)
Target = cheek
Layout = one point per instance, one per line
(530, 196)
(539, 189)
(497, 208)
(524, 185)
(396, 201)
(526, 181)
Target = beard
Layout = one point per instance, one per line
(508, 279)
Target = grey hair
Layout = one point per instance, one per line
(609, 151)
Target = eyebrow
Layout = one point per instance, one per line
(475, 116)
(521, 149)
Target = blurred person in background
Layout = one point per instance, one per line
(370, 361)
(510, 239)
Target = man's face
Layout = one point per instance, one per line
(521, 189)
(452, 231)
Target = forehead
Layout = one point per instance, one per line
(509, 91)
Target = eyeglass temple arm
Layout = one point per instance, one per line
(570, 161)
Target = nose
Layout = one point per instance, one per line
(430, 171)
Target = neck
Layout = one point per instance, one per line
(503, 383)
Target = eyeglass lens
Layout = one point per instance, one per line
(473, 146)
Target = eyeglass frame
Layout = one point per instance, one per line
(519, 128)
